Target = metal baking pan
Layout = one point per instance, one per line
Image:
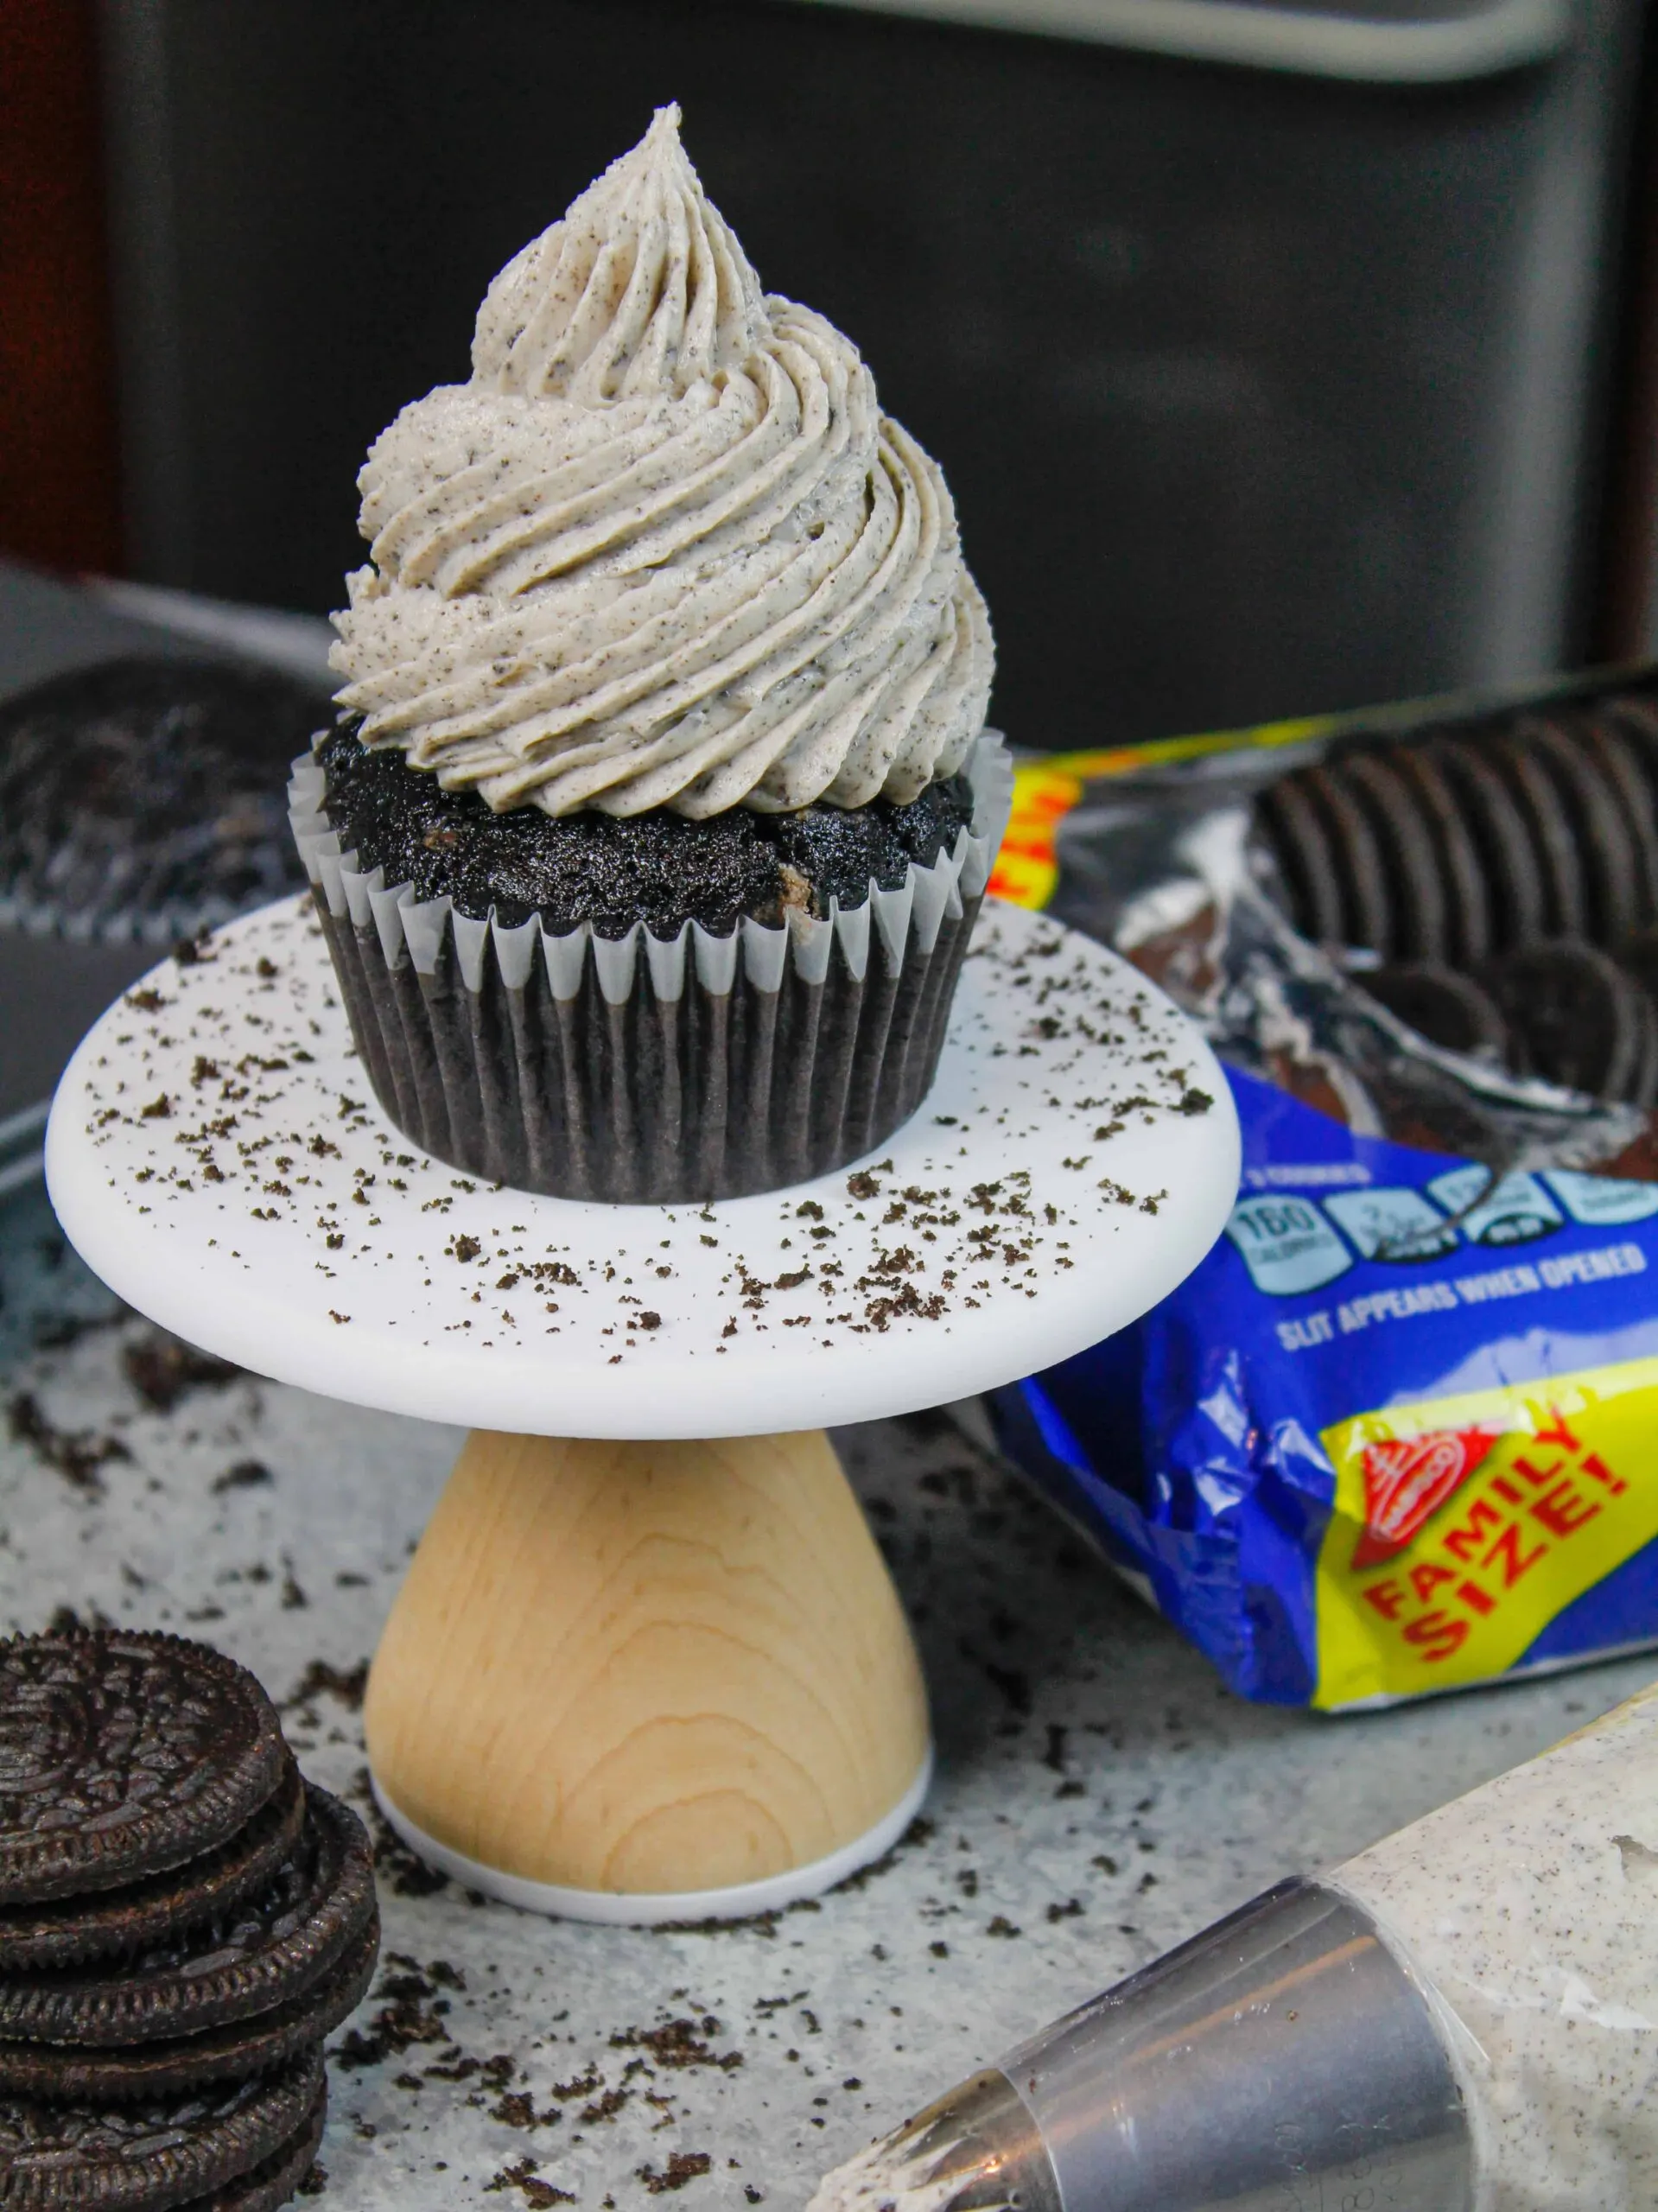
(52, 988)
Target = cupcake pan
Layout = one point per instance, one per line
(138, 801)
(638, 1070)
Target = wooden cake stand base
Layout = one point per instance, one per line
(671, 1677)
(640, 1680)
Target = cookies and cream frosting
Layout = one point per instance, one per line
(664, 548)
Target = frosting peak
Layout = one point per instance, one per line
(640, 288)
(662, 550)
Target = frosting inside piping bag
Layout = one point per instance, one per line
(662, 550)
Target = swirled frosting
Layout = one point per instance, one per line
(663, 548)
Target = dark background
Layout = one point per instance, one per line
(1258, 394)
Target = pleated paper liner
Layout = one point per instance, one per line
(636, 1070)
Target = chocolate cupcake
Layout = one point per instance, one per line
(651, 835)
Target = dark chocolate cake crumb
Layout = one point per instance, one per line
(348, 1684)
(522, 2175)
(77, 1454)
(162, 1367)
(682, 2166)
(246, 1474)
(658, 867)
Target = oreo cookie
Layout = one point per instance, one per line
(1295, 835)
(1638, 956)
(276, 2178)
(171, 2152)
(1586, 1023)
(1469, 926)
(1508, 871)
(122, 1755)
(1645, 1093)
(1500, 834)
(1616, 754)
(106, 1922)
(265, 1951)
(1421, 927)
(232, 2053)
(1559, 862)
(1450, 1010)
(1602, 835)
(1367, 902)
(1638, 715)
(184, 1920)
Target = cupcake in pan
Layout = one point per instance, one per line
(660, 806)
(140, 798)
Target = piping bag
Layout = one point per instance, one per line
(1463, 2019)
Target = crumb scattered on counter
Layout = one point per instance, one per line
(1098, 1792)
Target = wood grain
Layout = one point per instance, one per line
(646, 1667)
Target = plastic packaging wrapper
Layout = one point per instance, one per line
(1394, 1434)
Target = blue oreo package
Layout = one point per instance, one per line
(1395, 1435)
(1399, 1432)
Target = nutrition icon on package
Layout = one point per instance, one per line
(1602, 1201)
(1396, 1224)
(1287, 1245)
(1290, 1244)
(1513, 1210)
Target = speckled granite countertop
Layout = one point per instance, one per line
(1099, 1798)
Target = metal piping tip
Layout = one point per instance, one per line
(1283, 2058)
(977, 2150)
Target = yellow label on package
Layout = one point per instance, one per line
(1046, 788)
(1462, 1526)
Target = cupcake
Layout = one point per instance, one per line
(651, 833)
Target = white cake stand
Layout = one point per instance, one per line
(634, 1674)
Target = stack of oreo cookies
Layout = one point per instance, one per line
(183, 1918)
(1506, 872)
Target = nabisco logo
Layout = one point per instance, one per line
(1409, 1478)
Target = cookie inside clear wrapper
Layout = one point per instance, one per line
(651, 838)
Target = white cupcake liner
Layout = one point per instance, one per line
(637, 1069)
